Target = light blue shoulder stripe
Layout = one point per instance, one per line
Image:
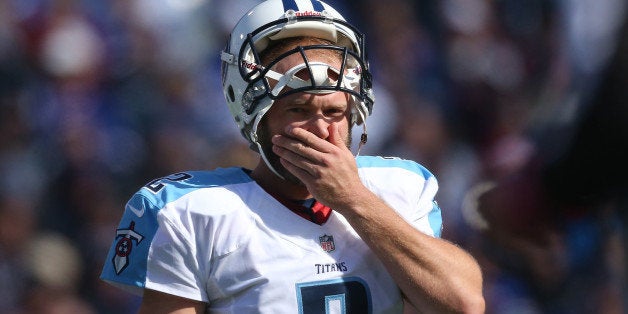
(378, 161)
(164, 190)
(436, 220)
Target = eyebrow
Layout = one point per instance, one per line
(299, 101)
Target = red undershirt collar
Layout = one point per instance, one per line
(310, 209)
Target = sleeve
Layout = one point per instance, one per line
(125, 265)
(152, 250)
(407, 186)
(433, 219)
(427, 213)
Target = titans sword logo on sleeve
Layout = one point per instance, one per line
(124, 246)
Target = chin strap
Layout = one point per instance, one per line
(364, 136)
(261, 152)
(255, 140)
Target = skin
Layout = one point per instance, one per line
(308, 135)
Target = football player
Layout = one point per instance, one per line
(312, 228)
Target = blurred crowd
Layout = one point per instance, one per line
(509, 103)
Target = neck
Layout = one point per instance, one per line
(277, 186)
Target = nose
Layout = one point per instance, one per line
(317, 124)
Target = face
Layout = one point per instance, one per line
(313, 112)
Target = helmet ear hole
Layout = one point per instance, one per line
(230, 93)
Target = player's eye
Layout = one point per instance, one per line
(296, 109)
(335, 112)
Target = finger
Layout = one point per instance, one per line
(334, 135)
(293, 145)
(298, 172)
(308, 138)
(294, 159)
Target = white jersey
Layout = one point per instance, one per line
(218, 237)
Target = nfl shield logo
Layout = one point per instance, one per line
(327, 243)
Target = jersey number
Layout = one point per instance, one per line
(342, 296)
(156, 185)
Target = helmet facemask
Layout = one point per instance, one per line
(318, 77)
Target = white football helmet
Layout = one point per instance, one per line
(245, 80)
